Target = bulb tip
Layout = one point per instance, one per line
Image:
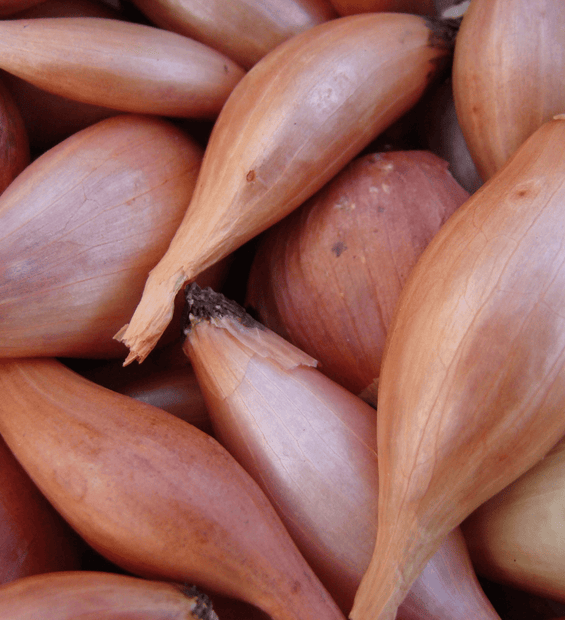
(205, 304)
(202, 609)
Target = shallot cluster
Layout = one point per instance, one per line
(330, 234)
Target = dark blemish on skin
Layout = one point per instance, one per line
(338, 248)
(250, 176)
(381, 209)
(226, 69)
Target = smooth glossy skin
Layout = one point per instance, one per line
(416, 7)
(14, 142)
(507, 75)
(243, 30)
(444, 137)
(311, 445)
(81, 228)
(105, 596)
(165, 380)
(151, 493)
(298, 117)
(472, 388)
(518, 536)
(49, 118)
(34, 539)
(121, 65)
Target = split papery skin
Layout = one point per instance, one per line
(294, 120)
(205, 304)
(311, 446)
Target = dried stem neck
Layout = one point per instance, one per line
(202, 609)
(205, 304)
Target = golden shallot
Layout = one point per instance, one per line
(474, 366)
(298, 116)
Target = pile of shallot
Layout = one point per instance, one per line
(331, 236)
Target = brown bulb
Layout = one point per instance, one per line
(328, 277)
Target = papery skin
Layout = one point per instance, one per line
(14, 141)
(243, 30)
(473, 372)
(507, 75)
(49, 118)
(328, 276)
(81, 227)
(165, 380)
(69, 8)
(353, 7)
(34, 539)
(311, 446)
(9, 7)
(443, 135)
(121, 65)
(84, 595)
(296, 118)
(517, 536)
(151, 493)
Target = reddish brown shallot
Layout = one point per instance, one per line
(151, 493)
(311, 445)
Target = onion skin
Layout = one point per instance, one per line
(9, 7)
(166, 380)
(311, 446)
(120, 65)
(507, 75)
(329, 275)
(353, 7)
(516, 537)
(69, 8)
(14, 143)
(80, 229)
(33, 537)
(444, 137)
(151, 493)
(80, 595)
(48, 118)
(244, 31)
(321, 103)
(473, 371)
